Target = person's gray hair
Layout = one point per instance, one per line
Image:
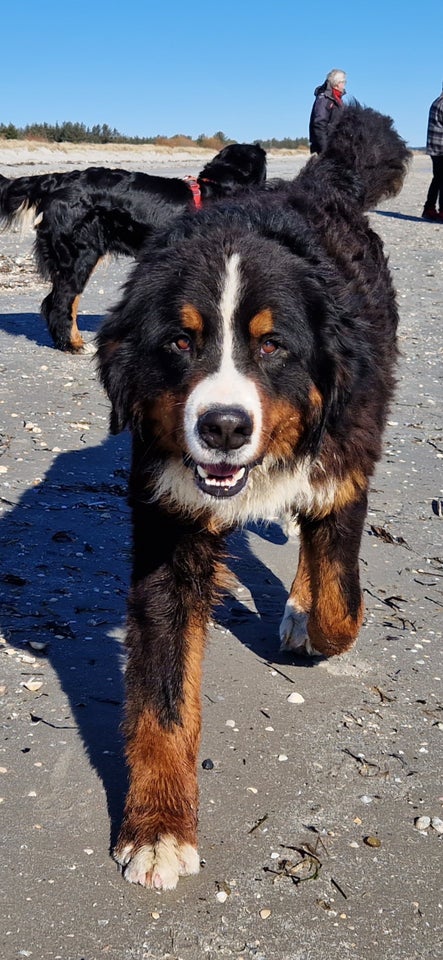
(334, 77)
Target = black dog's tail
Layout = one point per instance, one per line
(365, 154)
(24, 194)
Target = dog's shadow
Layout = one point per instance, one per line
(64, 582)
(33, 327)
(255, 621)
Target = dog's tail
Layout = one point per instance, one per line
(366, 154)
(22, 196)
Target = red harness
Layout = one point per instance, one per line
(194, 186)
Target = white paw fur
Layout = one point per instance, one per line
(159, 865)
(294, 631)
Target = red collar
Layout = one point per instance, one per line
(194, 186)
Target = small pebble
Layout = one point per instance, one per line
(37, 644)
(372, 841)
(265, 913)
(295, 698)
(366, 799)
(32, 685)
(208, 764)
(422, 823)
(230, 723)
(282, 757)
(155, 915)
(221, 896)
(437, 824)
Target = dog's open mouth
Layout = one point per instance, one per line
(221, 479)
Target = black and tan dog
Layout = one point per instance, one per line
(252, 355)
(84, 214)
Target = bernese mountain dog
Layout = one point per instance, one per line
(84, 214)
(252, 355)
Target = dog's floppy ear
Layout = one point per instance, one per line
(114, 364)
(118, 342)
(332, 317)
(338, 367)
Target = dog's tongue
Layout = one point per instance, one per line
(221, 470)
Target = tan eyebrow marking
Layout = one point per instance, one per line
(191, 318)
(315, 397)
(262, 324)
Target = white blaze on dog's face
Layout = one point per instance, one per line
(223, 414)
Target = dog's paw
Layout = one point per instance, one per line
(158, 865)
(88, 348)
(294, 635)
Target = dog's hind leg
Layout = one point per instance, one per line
(60, 307)
(174, 569)
(60, 310)
(324, 611)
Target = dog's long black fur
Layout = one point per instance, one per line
(84, 214)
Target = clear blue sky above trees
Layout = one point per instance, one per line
(248, 69)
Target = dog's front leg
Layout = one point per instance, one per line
(174, 571)
(324, 611)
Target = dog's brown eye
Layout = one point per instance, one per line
(182, 344)
(267, 347)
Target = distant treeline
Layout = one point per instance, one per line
(102, 133)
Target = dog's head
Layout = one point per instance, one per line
(237, 166)
(224, 354)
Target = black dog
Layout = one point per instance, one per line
(252, 355)
(84, 214)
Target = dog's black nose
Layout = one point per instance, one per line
(225, 428)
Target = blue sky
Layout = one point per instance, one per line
(151, 67)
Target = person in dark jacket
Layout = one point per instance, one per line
(327, 106)
(434, 147)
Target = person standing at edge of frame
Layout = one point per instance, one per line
(434, 147)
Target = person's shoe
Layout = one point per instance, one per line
(430, 213)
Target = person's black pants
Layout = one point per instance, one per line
(435, 191)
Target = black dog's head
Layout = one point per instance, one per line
(237, 166)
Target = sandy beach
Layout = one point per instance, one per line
(20, 158)
(321, 817)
